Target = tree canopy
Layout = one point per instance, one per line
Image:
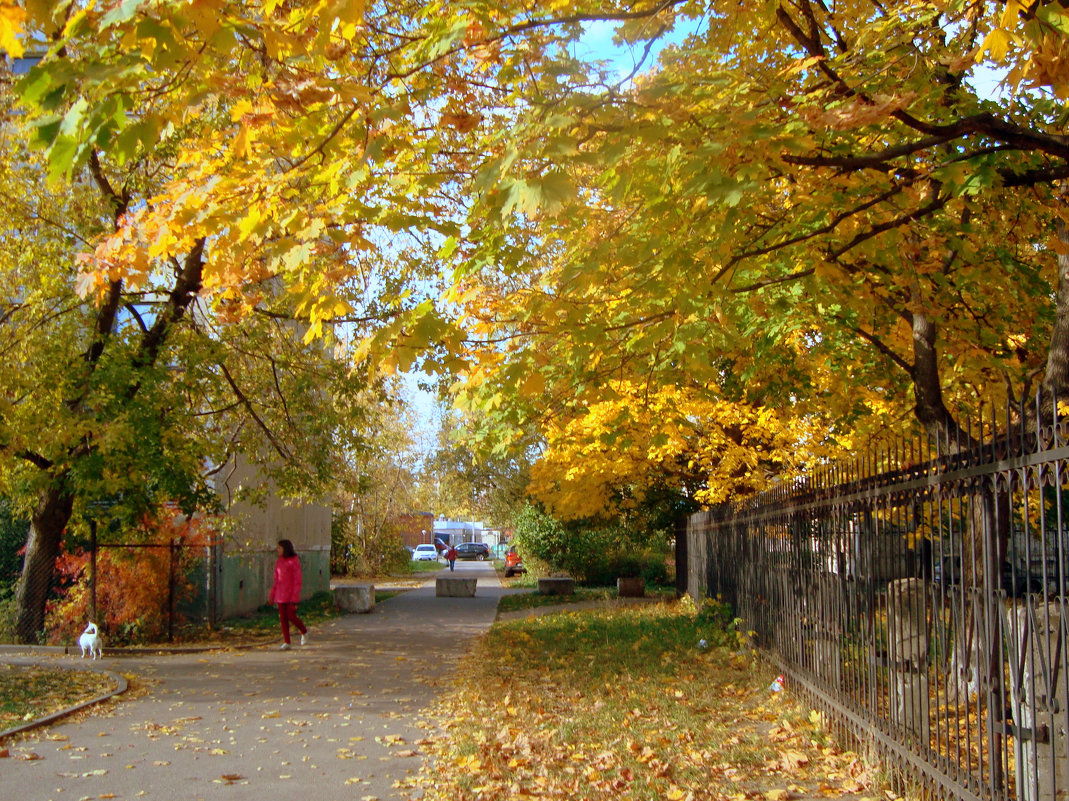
(803, 226)
(831, 221)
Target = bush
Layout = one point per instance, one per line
(8, 612)
(133, 584)
(648, 565)
(12, 541)
(357, 551)
(569, 549)
(595, 554)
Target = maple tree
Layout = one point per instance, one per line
(376, 488)
(828, 220)
(463, 481)
(114, 405)
(246, 163)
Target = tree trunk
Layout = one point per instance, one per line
(47, 524)
(927, 388)
(988, 533)
(1056, 377)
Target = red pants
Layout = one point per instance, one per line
(287, 613)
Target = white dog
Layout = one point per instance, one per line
(90, 643)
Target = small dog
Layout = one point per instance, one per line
(90, 643)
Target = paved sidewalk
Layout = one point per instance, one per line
(335, 720)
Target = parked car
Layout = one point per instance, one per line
(473, 550)
(425, 553)
(513, 563)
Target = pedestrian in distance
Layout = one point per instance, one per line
(286, 591)
(451, 556)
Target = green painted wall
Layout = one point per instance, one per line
(245, 579)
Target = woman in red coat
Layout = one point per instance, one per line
(286, 591)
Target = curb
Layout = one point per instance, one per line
(121, 686)
(121, 651)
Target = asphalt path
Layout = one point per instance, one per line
(339, 719)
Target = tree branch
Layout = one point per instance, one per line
(186, 286)
(252, 413)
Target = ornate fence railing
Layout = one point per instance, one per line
(918, 599)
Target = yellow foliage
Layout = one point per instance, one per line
(11, 20)
(643, 437)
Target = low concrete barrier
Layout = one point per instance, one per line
(556, 586)
(631, 587)
(360, 598)
(450, 587)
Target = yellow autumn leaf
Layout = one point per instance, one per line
(241, 142)
(11, 19)
(997, 43)
(1010, 13)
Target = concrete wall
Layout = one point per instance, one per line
(245, 578)
(245, 562)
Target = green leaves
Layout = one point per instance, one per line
(543, 195)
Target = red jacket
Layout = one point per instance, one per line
(287, 588)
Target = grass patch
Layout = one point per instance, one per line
(532, 600)
(31, 692)
(262, 624)
(623, 703)
(428, 567)
(318, 608)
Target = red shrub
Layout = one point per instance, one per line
(132, 586)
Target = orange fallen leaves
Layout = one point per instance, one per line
(689, 727)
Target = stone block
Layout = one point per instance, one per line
(556, 586)
(451, 587)
(359, 598)
(631, 587)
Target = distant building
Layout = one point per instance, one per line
(454, 531)
(415, 528)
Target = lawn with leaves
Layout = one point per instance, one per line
(607, 595)
(31, 692)
(626, 703)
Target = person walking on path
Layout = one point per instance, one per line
(451, 556)
(286, 591)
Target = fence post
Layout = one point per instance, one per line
(682, 560)
(93, 572)
(170, 593)
(1038, 699)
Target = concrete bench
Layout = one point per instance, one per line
(357, 598)
(556, 586)
(450, 587)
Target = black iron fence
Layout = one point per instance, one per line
(918, 600)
